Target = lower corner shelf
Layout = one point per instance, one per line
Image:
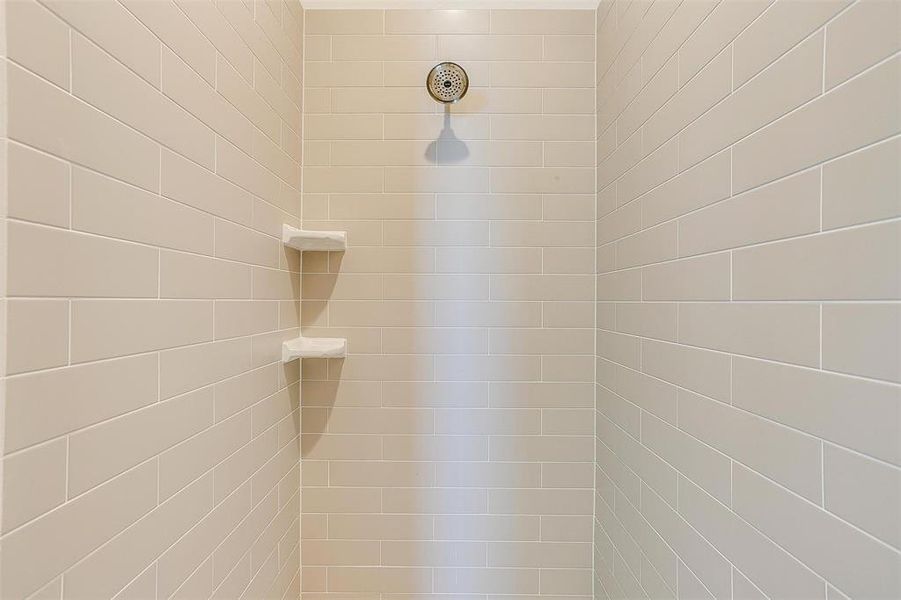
(304, 347)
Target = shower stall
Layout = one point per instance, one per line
(457, 300)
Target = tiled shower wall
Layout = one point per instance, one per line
(452, 450)
(150, 447)
(749, 412)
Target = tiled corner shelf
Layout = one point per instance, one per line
(304, 240)
(304, 347)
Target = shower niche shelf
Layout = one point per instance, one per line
(305, 240)
(304, 347)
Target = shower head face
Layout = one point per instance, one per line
(447, 82)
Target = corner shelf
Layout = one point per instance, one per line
(302, 239)
(305, 240)
(304, 347)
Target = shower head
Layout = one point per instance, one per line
(447, 82)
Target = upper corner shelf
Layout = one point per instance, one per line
(302, 239)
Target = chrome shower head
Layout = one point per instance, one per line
(447, 82)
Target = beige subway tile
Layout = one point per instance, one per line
(856, 264)
(543, 234)
(436, 21)
(654, 95)
(654, 245)
(867, 176)
(495, 581)
(115, 564)
(53, 262)
(238, 243)
(782, 332)
(47, 118)
(342, 22)
(755, 216)
(486, 527)
(435, 394)
(489, 206)
(488, 260)
(380, 474)
(76, 397)
(490, 47)
(174, 28)
(435, 179)
(38, 185)
(351, 100)
(337, 553)
(193, 185)
(863, 492)
(382, 47)
(778, 29)
(567, 101)
(423, 340)
(542, 75)
(700, 370)
(540, 502)
(774, 570)
(541, 341)
(862, 339)
(435, 287)
(38, 41)
(343, 74)
(107, 207)
(858, 38)
(184, 462)
(185, 369)
(142, 585)
(702, 278)
(619, 285)
(190, 276)
(809, 135)
(564, 22)
(110, 87)
(237, 90)
(107, 328)
(541, 395)
(651, 320)
(704, 560)
(117, 31)
(711, 85)
(34, 483)
(435, 448)
(240, 169)
(813, 535)
(487, 368)
(539, 554)
(214, 26)
(242, 317)
(106, 450)
(345, 179)
(544, 128)
(789, 83)
(823, 404)
(542, 287)
(37, 334)
(568, 261)
(568, 48)
(543, 449)
(384, 368)
(741, 435)
(35, 554)
(684, 21)
(434, 500)
(651, 395)
(724, 23)
(447, 233)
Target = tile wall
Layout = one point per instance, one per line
(150, 446)
(749, 272)
(452, 451)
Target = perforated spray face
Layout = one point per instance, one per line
(447, 82)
